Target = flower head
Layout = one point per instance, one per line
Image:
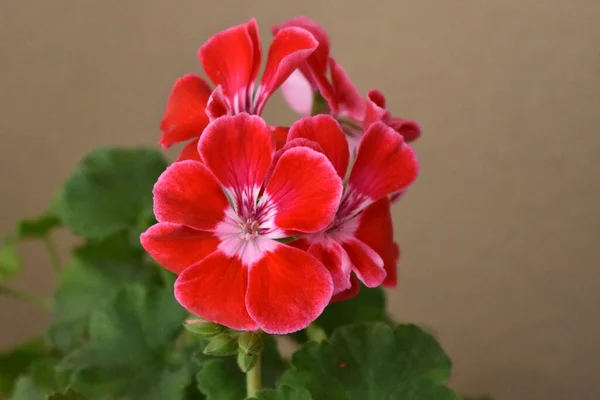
(220, 221)
(231, 60)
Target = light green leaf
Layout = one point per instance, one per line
(284, 392)
(372, 361)
(39, 227)
(127, 354)
(16, 361)
(110, 191)
(10, 260)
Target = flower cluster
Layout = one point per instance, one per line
(266, 225)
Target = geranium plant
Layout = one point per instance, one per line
(188, 275)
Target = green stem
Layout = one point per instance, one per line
(253, 380)
(35, 300)
(315, 333)
(54, 258)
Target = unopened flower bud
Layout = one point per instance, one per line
(250, 342)
(246, 361)
(203, 328)
(222, 345)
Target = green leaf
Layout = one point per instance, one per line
(98, 271)
(16, 361)
(372, 361)
(284, 392)
(42, 380)
(39, 227)
(10, 260)
(110, 191)
(131, 339)
(68, 395)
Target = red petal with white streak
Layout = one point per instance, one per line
(215, 289)
(287, 290)
(305, 191)
(238, 150)
(187, 193)
(288, 51)
(190, 152)
(348, 98)
(367, 264)
(185, 117)
(384, 164)
(376, 231)
(325, 131)
(177, 247)
(335, 259)
(230, 59)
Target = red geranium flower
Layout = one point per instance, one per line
(360, 240)
(220, 221)
(343, 98)
(231, 59)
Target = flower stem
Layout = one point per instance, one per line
(54, 258)
(253, 380)
(315, 333)
(35, 300)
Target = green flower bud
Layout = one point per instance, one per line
(222, 345)
(250, 343)
(247, 361)
(203, 328)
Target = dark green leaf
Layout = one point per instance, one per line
(10, 260)
(284, 392)
(16, 361)
(98, 270)
(68, 395)
(39, 227)
(42, 380)
(127, 354)
(110, 191)
(372, 361)
(25, 389)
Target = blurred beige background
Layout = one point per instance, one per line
(501, 233)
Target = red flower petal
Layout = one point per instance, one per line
(300, 142)
(215, 289)
(367, 264)
(349, 293)
(384, 164)
(187, 193)
(217, 104)
(376, 111)
(376, 231)
(409, 130)
(391, 279)
(305, 190)
(335, 259)
(230, 59)
(287, 290)
(347, 95)
(238, 150)
(185, 117)
(280, 134)
(176, 247)
(190, 152)
(326, 131)
(289, 49)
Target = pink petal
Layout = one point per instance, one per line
(215, 289)
(325, 131)
(298, 93)
(190, 152)
(367, 264)
(230, 59)
(185, 117)
(348, 98)
(187, 193)
(238, 150)
(287, 290)
(335, 259)
(176, 247)
(375, 229)
(289, 49)
(305, 191)
(384, 164)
